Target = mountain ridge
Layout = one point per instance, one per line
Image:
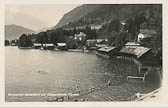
(14, 31)
(100, 13)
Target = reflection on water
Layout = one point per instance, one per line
(43, 71)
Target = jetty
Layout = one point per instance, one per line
(143, 75)
(146, 96)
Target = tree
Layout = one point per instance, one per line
(7, 42)
(42, 38)
(24, 41)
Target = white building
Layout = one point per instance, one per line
(145, 34)
(81, 36)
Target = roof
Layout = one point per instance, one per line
(138, 51)
(101, 45)
(37, 44)
(91, 40)
(101, 40)
(147, 31)
(144, 33)
(81, 34)
(61, 44)
(132, 44)
(106, 49)
(49, 44)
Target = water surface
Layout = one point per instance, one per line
(44, 71)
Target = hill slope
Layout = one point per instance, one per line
(77, 13)
(15, 31)
(102, 13)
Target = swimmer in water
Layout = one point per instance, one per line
(76, 86)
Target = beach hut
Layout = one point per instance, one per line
(62, 46)
(37, 45)
(48, 46)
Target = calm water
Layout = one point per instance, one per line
(43, 71)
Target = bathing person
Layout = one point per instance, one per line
(77, 86)
(109, 82)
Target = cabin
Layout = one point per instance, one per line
(48, 46)
(145, 33)
(106, 52)
(62, 46)
(37, 45)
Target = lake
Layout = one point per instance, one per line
(44, 71)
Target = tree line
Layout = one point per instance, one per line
(58, 35)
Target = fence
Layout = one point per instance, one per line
(80, 92)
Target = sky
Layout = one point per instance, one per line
(36, 16)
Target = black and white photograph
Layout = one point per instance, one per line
(83, 52)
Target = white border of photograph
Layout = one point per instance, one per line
(161, 102)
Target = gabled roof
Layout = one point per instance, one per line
(138, 51)
(106, 49)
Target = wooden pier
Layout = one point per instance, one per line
(140, 77)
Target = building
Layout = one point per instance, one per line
(81, 36)
(48, 46)
(132, 51)
(101, 43)
(14, 42)
(91, 44)
(37, 45)
(136, 52)
(107, 51)
(62, 46)
(145, 34)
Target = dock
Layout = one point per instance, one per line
(147, 96)
(140, 77)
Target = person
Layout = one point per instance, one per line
(137, 95)
(109, 82)
(76, 86)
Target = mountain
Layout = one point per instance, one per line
(15, 31)
(76, 14)
(43, 29)
(88, 14)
